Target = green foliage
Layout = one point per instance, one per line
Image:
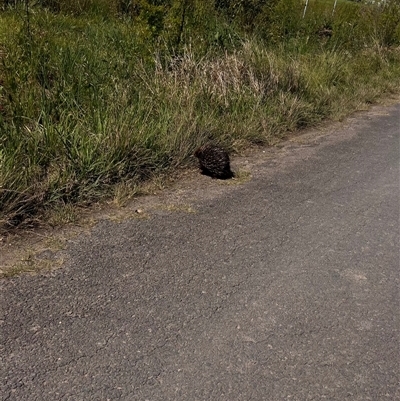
(97, 93)
(246, 13)
(384, 23)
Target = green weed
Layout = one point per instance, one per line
(96, 99)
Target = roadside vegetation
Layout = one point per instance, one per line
(97, 96)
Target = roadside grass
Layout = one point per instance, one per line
(28, 264)
(91, 107)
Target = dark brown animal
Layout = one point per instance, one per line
(214, 161)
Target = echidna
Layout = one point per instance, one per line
(214, 161)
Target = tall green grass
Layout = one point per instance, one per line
(89, 101)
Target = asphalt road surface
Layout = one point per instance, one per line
(283, 287)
